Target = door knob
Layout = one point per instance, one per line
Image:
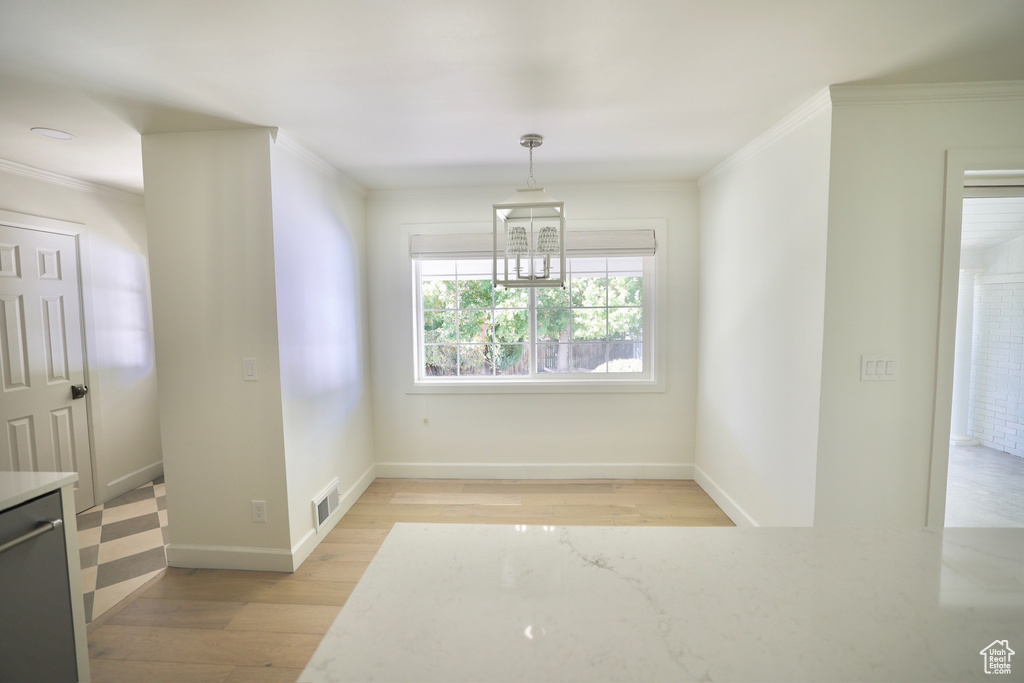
(79, 391)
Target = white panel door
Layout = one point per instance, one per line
(42, 428)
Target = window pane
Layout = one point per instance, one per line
(587, 357)
(476, 269)
(552, 358)
(588, 265)
(434, 268)
(439, 360)
(474, 359)
(552, 296)
(511, 297)
(626, 265)
(511, 326)
(589, 291)
(625, 323)
(511, 359)
(625, 291)
(590, 324)
(625, 357)
(438, 294)
(438, 326)
(474, 326)
(553, 324)
(475, 293)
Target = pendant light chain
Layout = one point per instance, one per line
(530, 182)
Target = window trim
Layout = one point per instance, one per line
(655, 325)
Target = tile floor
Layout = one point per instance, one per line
(985, 488)
(122, 546)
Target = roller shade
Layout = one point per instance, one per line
(578, 243)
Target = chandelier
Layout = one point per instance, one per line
(529, 234)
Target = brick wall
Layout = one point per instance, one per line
(996, 406)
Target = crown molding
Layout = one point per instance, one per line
(445, 192)
(15, 168)
(798, 117)
(289, 143)
(925, 93)
(671, 187)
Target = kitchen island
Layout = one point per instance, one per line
(540, 603)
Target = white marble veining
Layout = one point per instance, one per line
(18, 487)
(532, 603)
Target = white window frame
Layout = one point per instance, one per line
(652, 379)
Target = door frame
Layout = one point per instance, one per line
(88, 333)
(958, 162)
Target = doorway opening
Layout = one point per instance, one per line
(985, 475)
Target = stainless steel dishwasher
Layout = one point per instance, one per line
(37, 641)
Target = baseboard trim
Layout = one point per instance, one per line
(267, 559)
(729, 506)
(458, 470)
(312, 538)
(229, 557)
(133, 480)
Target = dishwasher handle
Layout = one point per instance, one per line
(45, 526)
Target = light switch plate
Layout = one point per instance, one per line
(249, 373)
(879, 367)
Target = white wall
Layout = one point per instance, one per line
(764, 219)
(589, 434)
(319, 251)
(208, 208)
(119, 336)
(882, 288)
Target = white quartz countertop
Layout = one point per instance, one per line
(18, 487)
(535, 603)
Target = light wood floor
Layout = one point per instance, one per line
(220, 625)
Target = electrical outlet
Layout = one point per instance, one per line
(259, 511)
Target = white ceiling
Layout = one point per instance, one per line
(416, 93)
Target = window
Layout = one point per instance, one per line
(469, 329)
(595, 325)
(598, 327)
